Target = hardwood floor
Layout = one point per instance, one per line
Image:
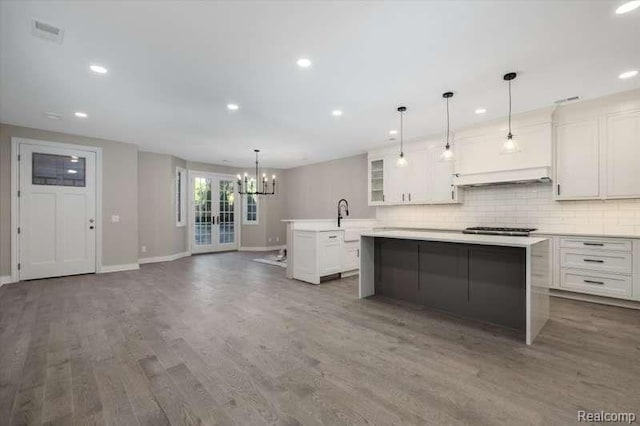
(219, 339)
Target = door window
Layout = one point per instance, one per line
(58, 170)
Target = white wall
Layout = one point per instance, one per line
(519, 205)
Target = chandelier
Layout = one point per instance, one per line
(251, 188)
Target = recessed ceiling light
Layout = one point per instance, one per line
(481, 111)
(393, 132)
(71, 171)
(98, 69)
(233, 107)
(304, 62)
(81, 114)
(628, 74)
(628, 7)
(336, 112)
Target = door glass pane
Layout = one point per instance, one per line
(59, 170)
(202, 200)
(227, 199)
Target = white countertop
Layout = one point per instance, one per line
(540, 232)
(455, 237)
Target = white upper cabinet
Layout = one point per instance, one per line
(424, 180)
(418, 186)
(577, 160)
(597, 148)
(441, 178)
(623, 155)
(376, 181)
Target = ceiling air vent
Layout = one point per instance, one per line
(46, 31)
(53, 115)
(565, 100)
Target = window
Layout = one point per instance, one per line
(58, 170)
(250, 206)
(181, 196)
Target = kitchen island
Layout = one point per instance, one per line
(501, 280)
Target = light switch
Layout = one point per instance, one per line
(115, 218)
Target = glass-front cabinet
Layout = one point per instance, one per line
(376, 181)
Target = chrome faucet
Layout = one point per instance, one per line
(342, 203)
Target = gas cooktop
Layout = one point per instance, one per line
(488, 230)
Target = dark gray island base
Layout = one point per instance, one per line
(470, 277)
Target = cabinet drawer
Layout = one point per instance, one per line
(596, 260)
(596, 243)
(595, 283)
(329, 237)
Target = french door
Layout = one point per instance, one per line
(57, 211)
(214, 213)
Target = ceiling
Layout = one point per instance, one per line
(174, 66)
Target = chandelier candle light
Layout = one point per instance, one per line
(265, 182)
(402, 162)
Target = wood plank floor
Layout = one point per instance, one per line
(219, 339)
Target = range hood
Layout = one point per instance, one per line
(528, 175)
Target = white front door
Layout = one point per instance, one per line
(57, 211)
(214, 213)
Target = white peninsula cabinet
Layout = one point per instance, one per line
(597, 149)
(317, 249)
(424, 180)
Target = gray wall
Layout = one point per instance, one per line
(119, 193)
(157, 228)
(313, 191)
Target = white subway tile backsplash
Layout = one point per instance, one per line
(520, 205)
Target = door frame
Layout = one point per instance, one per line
(190, 201)
(16, 142)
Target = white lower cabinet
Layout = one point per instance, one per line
(607, 267)
(596, 283)
(351, 256)
(330, 252)
(319, 254)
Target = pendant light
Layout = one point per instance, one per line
(510, 146)
(447, 153)
(402, 161)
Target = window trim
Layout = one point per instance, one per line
(245, 205)
(181, 196)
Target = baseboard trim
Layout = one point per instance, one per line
(269, 248)
(157, 259)
(5, 280)
(622, 303)
(119, 268)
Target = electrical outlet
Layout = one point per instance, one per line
(277, 239)
(144, 249)
(115, 218)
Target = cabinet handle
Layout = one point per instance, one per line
(409, 196)
(593, 244)
(593, 282)
(358, 253)
(558, 189)
(594, 260)
(403, 197)
(452, 197)
(383, 198)
(333, 236)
